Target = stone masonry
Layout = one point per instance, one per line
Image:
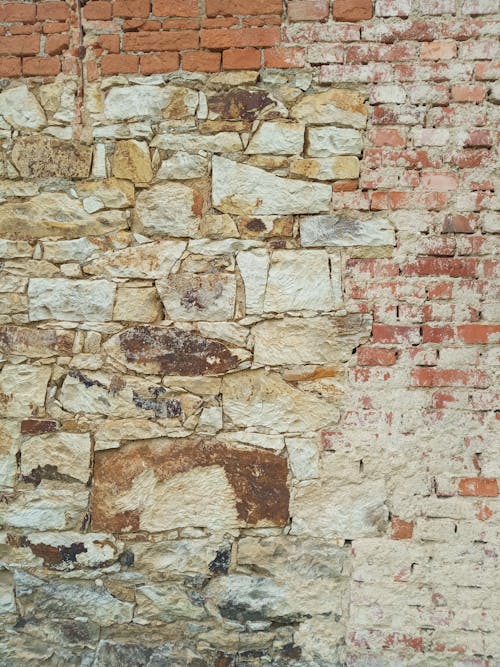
(249, 326)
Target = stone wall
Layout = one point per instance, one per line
(248, 333)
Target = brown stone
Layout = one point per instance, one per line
(35, 342)
(352, 10)
(241, 104)
(42, 156)
(158, 350)
(257, 477)
(38, 426)
(132, 161)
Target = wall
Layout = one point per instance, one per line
(248, 333)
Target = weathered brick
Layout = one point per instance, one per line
(234, 59)
(201, 61)
(352, 10)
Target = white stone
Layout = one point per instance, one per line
(14, 249)
(257, 398)
(303, 454)
(150, 260)
(9, 445)
(124, 103)
(183, 166)
(339, 106)
(50, 506)
(167, 209)
(330, 230)
(222, 142)
(23, 389)
(83, 249)
(299, 280)
(190, 296)
(326, 141)
(254, 268)
(21, 109)
(303, 340)
(245, 190)
(69, 453)
(7, 598)
(277, 138)
(71, 300)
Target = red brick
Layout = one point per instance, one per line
(161, 41)
(437, 377)
(308, 10)
(267, 20)
(54, 11)
(180, 24)
(97, 11)
(223, 38)
(390, 335)
(41, 66)
(487, 71)
(345, 186)
(131, 9)
(438, 50)
(437, 334)
(109, 43)
(442, 266)
(401, 530)
(10, 67)
(233, 59)
(387, 137)
(140, 24)
(28, 45)
(456, 223)
(486, 487)
(439, 181)
(11, 12)
(376, 356)
(352, 10)
(51, 27)
(182, 8)
(56, 44)
(119, 64)
(468, 93)
(201, 61)
(479, 334)
(159, 63)
(284, 58)
(243, 7)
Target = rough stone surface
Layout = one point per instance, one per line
(326, 141)
(169, 209)
(131, 160)
(191, 297)
(21, 109)
(149, 260)
(325, 230)
(73, 300)
(42, 156)
(340, 107)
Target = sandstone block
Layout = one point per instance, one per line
(326, 169)
(168, 209)
(43, 156)
(23, 389)
(71, 300)
(341, 107)
(137, 304)
(131, 160)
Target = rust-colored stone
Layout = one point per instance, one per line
(38, 426)
(258, 478)
(35, 342)
(241, 104)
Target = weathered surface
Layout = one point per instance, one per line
(35, 343)
(327, 230)
(169, 209)
(335, 106)
(64, 456)
(150, 260)
(21, 109)
(326, 141)
(73, 300)
(41, 156)
(131, 160)
(191, 297)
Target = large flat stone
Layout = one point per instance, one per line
(168, 209)
(170, 351)
(43, 156)
(278, 138)
(35, 343)
(23, 389)
(222, 142)
(241, 189)
(260, 399)
(151, 102)
(330, 230)
(192, 296)
(161, 485)
(64, 456)
(335, 106)
(70, 300)
(149, 260)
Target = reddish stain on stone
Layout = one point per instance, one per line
(240, 104)
(37, 426)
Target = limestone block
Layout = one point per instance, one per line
(137, 304)
(326, 141)
(341, 107)
(23, 389)
(66, 455)
(168, 209)
(277, 138)
(21, 109)
(330, 230)
(131, 160)
(149, 260)
(191, 296)
(71, 300)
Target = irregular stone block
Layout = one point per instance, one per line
(301, 340)
(131, 160)
(81, 250)
(326, 141)
(43, 156)
(55, 214)
(151, 102)
(9, 446)
(167, 602)
(277, 138)
(50, 506)
(341, 107)
(258, 398)
(70, 550)
(35, 343)
(168, 209)
(191, 296)
(242, 104)
(300, 280)
(149, 260)
(137, 304)
(21, 109)
(171, 351)
(222, 142)
(254, 268)
(162, 485)
(71, 300)
(326, 169)
(330, 230)
(183, 166)
(244, 190)
(107, 193)
(23, 389)
(64, 456)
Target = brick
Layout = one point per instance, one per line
(11, 12)
(51, 27)
(56, 44)
(110, 43)
(162, 41)
(437, 334)
(437, 377)
(53, 11)
(226, 38)
(479, 334)
(401, 530)
(388, 8)
(10, 67)
(180, 24)
(468, 93)
(442, 266)
(284, 57)
(201, 61)
(486, 487)
(438, 7)
(131, 9)
(243, 7)
(134, 25)
(308, 10)
(97, 11)
(456, 223)
(325, 53)
(159, 63)
(438, 50)
(376, 356)
(439, 181)
(352, 10)
(385, 136)
(241, 59)
(487, 71)
(48, 66)
(119, 64)
(26, 45)
(390, 335)
(181, 8)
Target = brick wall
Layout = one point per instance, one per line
(249, 326)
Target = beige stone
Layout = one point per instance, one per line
(42, 156)
(72, 300)
(66, 454)
(108, 193)
(168, 209)
(23, 389)
(149, 260)
(334, 106)
(137, 304)
(191, 297)
(326, 169)
(131, 160)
